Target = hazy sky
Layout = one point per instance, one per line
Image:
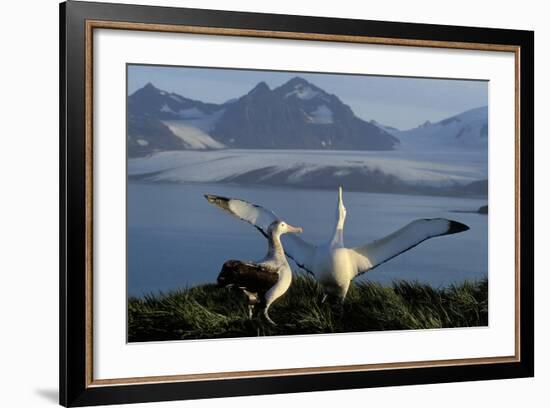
(396, 101)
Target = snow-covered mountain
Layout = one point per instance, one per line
(296, 115)
(465, 131)
(161, 121)
(151, 101)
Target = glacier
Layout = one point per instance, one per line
(311, 168)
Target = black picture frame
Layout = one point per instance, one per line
(76, 389)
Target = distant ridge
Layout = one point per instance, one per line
(466, 131)
(295, 115)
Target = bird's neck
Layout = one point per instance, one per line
(338, 234)
(275, 248)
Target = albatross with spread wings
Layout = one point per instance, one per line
(332, 264)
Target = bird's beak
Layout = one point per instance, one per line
(340, 198)
(297, 230)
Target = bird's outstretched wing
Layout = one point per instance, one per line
(377, 252)
(296, 248)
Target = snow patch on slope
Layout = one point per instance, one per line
(303, 92)
(193, 137)
(166, 108)
(176, 97)
(322, 115)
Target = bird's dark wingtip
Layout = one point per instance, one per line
(215, 199)
(222, 202)
(456, 227)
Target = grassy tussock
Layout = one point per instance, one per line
(206, 311)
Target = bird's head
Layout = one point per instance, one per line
(280, 227)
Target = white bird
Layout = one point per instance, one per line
(264, 281)
(331, 263)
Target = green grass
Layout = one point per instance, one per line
(206, 311)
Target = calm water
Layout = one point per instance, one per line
(177, 239)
